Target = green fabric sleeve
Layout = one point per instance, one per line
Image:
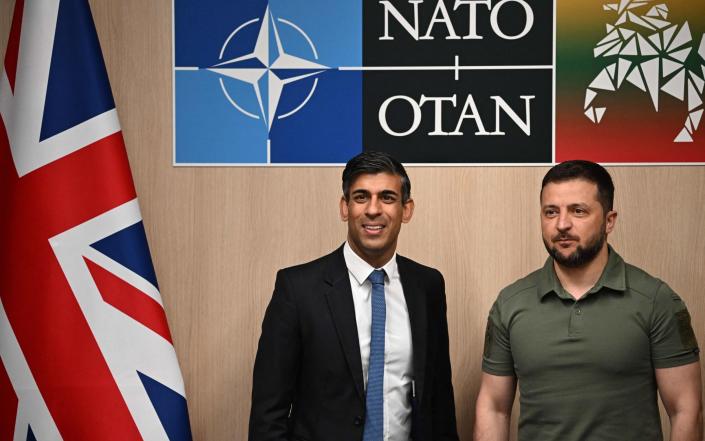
(672, 338)
(497, 355)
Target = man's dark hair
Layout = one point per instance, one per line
(371, 162)
(588, 171)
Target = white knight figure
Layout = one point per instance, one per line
(646, 50)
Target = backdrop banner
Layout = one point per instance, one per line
(459, 82)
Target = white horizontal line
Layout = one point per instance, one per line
(342, 164)
(433, 164)
(393, 68)
(418, 68)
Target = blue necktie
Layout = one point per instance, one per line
(374, 421)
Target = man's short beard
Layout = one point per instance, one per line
(581, 256)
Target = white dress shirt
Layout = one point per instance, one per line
(398, 366)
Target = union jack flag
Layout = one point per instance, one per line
(85, 350)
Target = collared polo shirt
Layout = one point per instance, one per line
(586, 367)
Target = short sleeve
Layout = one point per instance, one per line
(673, 341)
(497, 355)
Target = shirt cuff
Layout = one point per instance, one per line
(497, 369)
(678, 360)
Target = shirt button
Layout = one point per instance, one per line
(358, 421)
(578, 311)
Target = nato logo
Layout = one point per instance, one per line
(267, 83)
(293, 82)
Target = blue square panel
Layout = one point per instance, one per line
(262, 82)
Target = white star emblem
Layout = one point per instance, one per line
(271, 62)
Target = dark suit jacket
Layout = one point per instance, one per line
(308, 382)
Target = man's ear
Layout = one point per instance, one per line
(610, 221)
(343, 209)
(408, 211)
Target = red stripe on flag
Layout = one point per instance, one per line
(8, 405)
(13, 44)
(68, 366)
(129, 300)
(68, 191)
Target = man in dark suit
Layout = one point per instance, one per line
(354, 345)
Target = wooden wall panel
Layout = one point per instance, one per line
(218, 235)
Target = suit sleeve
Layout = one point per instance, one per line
(443, 412)
(276, 366)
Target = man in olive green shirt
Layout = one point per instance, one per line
(589, 338)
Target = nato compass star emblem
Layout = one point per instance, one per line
(267, 82)
(273, 69)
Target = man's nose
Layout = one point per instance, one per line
(564, 222)
(374, 207)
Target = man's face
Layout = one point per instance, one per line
(374, 214)
(573, 223)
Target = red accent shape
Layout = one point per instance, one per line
(631, 132)
(129, 300)
(13, 45)
(8, 405)
(66, 362)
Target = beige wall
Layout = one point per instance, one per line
(218, 235)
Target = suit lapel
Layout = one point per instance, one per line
(342, 308)
(416, 304)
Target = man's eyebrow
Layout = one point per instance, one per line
(575, 205)
(383, 192)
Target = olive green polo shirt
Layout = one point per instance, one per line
(586, 368)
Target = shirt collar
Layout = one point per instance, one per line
(361, 270)
(612, 277)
